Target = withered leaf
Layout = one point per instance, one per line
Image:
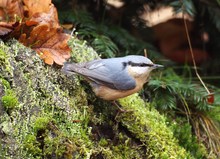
(37, 6)
(11, 10)
(50, 43)
(5, 28)
(50, 17)
(31, 23)
(40, 30)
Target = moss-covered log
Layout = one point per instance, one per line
(45, 114)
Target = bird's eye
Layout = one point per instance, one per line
(130, 63)
(142, 65)
(145, 64)
(133, 64)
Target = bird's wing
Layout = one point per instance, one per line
(103, 74)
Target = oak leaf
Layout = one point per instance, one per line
(11, 10)
(5, 28)
(50, 43)
(36, 6)
(40, 30)
(50, 17)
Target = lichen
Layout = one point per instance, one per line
(81, 52)
(4, 60)
(46, 97)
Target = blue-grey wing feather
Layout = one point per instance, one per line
(103, 72)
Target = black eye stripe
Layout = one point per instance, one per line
(139, 64)
(144, 65)
(124, 65)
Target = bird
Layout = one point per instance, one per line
(114, 78)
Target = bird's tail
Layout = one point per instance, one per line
(68, 68)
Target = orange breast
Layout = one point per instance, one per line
(107, 93)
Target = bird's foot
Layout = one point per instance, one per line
(120, 110)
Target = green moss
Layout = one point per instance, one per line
(9, 102)
(81, 52)
(41, 123)
(54, 119)
(183, 131)
(3, 55)
(103, 142)
(31, 145)
(49, 102)
(150, 128)
(4, 60)
(54, 145)
(5, 83)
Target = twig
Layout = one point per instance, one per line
(193, 58)
(145, 52)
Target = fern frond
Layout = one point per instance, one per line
(129, 44)
(194, 94)
(77, 17)
(165, 101)
(185, 6)
(215, 16)
(167, 94)
(104, 45)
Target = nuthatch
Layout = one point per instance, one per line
(114, 78)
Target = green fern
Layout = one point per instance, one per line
(105, 38)
(92, 32)
(181, 98)
(214, 15)
(77, 17)
(192, 93)
(104, 45)
(128, 44)
(185, 6)
(170, 89)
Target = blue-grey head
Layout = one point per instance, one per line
(139, 65)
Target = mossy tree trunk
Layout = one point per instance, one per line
(46, 114)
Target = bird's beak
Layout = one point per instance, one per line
(157, 66)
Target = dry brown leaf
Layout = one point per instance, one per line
(37, 6)
(5, 28)
(50, 44)
(31, 23)
(11, 10)
(57, 46)
(50, 17)
(40, 30)
(47, 57)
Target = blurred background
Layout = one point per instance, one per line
(122, 27)
(159, 29)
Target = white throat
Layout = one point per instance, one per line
(139, 71)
